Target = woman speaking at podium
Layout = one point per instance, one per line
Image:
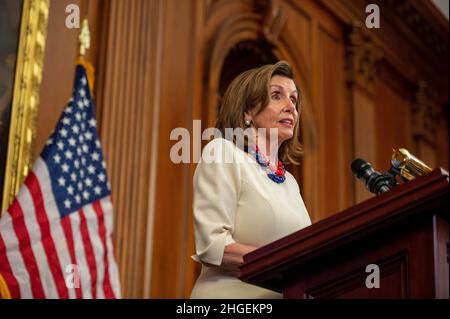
(243, 197)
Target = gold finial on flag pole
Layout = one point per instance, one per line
(84, 37)
(85, 43)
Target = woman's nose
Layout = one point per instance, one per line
(290, 106)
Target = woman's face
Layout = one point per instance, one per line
(281, 112)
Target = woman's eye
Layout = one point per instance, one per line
(294, 100)
(276, 96)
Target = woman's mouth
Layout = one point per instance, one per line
(287, 122)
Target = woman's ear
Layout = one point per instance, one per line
(248, 115)
(247, 119)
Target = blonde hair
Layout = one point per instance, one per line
(250, 89)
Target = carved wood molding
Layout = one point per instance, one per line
(427, 24)
(274, 19)
(362, 56)
(226, 27)
(417, 21)
(426, 115)
(413, 37)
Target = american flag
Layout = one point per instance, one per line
(56, 237)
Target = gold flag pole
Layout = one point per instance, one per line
(84, 39)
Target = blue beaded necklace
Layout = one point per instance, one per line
(277, 176)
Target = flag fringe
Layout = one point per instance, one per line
(4, 291)
(89, 72)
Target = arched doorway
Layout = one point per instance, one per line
(243, 56)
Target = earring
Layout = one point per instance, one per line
(247, 122)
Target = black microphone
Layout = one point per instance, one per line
(375, 181)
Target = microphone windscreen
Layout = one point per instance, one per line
(357, 165)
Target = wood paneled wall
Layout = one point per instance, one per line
(158, 67)
(59, 71)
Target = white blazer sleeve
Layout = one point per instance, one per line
(216, 192)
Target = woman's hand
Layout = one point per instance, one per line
(233, 257)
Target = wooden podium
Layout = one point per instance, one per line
(404, 232)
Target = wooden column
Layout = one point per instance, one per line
(128, 101)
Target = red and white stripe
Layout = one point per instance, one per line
(36, 245)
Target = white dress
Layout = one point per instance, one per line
(235, 201)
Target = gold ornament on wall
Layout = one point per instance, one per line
(25, 96)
